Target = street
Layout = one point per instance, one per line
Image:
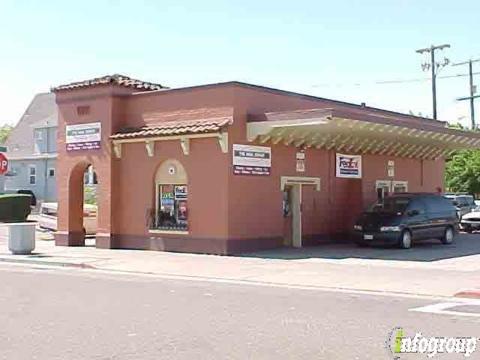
(54, 313)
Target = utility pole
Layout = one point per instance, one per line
(472, 89)
(434, 66)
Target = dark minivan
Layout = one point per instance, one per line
(402, 218)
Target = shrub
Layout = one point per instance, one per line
(14, 207)
(90, 194)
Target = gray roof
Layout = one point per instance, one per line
(42, 112)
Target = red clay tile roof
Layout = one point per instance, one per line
(115, 79)
(182, 127)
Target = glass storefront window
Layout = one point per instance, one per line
(172, 211)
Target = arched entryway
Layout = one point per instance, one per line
(171, 197)
(83, 205)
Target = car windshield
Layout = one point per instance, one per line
(390, 205)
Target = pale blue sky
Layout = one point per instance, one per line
(335, 49)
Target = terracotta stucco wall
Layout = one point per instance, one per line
(227, 213)
(427, 179)
(71, 164)
(206, 170)
(206, 167)
(255, 204)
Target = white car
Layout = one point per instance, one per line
(471, 221)
(48, 217)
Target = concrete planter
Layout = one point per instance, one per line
(21, 237)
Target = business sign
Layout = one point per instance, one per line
(251, 160)
(3, 164)
(83, 136)
(300, 165)
(349, 166)
(391, 168)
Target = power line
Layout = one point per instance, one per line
(394, 81)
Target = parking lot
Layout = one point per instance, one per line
(424, 251)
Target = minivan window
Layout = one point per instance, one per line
(390, 205)
(436, 203)
(418, 205)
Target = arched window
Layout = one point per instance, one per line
(171, 193)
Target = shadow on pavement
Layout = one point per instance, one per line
(431, 250)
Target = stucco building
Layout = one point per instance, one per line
(233, 167)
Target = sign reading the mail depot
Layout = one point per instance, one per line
(251, 160)
(349, 166)
(83, 136)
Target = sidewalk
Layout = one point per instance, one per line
(437, 278)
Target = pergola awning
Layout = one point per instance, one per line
(361, 132)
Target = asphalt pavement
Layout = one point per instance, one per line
(50, 313)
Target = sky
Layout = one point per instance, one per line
(344, 50)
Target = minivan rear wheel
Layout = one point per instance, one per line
(406, 239)
(448, 236)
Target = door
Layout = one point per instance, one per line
(296, 209)
(292, 206)
(382, 187)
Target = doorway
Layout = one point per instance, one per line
(292, 206)
(90, 205)
(81, 221)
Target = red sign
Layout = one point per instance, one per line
(3, 164)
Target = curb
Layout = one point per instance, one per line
(472, 294)
(47, 263)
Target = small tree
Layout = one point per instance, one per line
(5, 130)
(463, 172)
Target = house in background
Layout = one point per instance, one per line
(32, 150)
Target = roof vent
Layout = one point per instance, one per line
(363, 104)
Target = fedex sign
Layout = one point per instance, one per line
(349, 166)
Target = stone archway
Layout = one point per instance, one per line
(71, 214)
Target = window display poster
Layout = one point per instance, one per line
(167, 200)
(182, 212)
(349, 166)
(251, 160)
(181, 192)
